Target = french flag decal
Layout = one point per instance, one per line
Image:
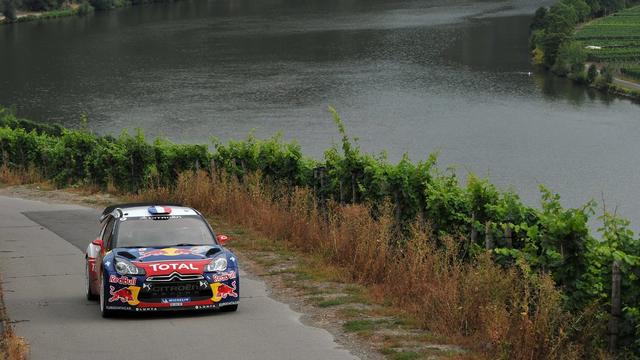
(159, 210)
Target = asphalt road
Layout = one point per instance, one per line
(41, 264)
(626, 83)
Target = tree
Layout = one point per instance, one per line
(570, 59)
(562, 18)
(9, 9)
(550, 45)
(40, 5)
(592, 73)
(102, 4)
(595, 7)
(539, 19)
(609, 6)
(582, 9)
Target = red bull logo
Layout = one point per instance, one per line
(124, 294)
(226, 290)
(166, 252)
(223, 276)
(221, 291)
(122, 280)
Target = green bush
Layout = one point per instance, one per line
(85, 8)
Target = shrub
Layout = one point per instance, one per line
(85, 8)
(592, 73)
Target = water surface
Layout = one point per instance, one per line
(407, 76)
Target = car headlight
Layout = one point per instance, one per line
(219, 264)
(125, 267)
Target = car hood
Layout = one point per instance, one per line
(175, 253)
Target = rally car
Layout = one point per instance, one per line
(153, 257)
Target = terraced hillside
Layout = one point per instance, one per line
(614, 39)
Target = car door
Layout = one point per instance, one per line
(107, 235)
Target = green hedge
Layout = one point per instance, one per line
(552, 239)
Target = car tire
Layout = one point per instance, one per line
(103, 310)
(230, 308)
(90, 294)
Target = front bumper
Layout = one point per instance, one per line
(173, 292)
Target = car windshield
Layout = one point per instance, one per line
(145, 232)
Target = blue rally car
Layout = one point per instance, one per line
(152, 257)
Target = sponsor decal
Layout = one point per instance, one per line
(126, 294)
(122, 295)
(161, 217)
(112, 307)
(122, 280)
(221, 291)
(164, 252)
(225, 276)
(176, 300)
(229, 303)
(172, 266)
(202, 307)
(146, 309)
(196, 250)
(167, 267)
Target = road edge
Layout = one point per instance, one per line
(12, 346)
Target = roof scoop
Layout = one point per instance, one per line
(126, 254)
(213, 251)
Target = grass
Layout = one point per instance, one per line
(400, 355)
(361, 325)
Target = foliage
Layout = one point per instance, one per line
(610, 39)
(42, 5)
(9, 9)
(102, 4)
(553, 239)
(592, 73)
(85, 8)
(570, 59)
(539, 19)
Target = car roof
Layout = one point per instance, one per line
(142, 209)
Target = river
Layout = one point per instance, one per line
(406, 76)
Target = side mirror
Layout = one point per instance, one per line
(222, 239)
(97, 242)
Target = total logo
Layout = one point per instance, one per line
(172, 266)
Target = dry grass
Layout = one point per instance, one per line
(12, 347)
(9, 176)
(506, 314)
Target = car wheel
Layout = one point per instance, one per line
(229, 308)
(103, 301)
(90, 294)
